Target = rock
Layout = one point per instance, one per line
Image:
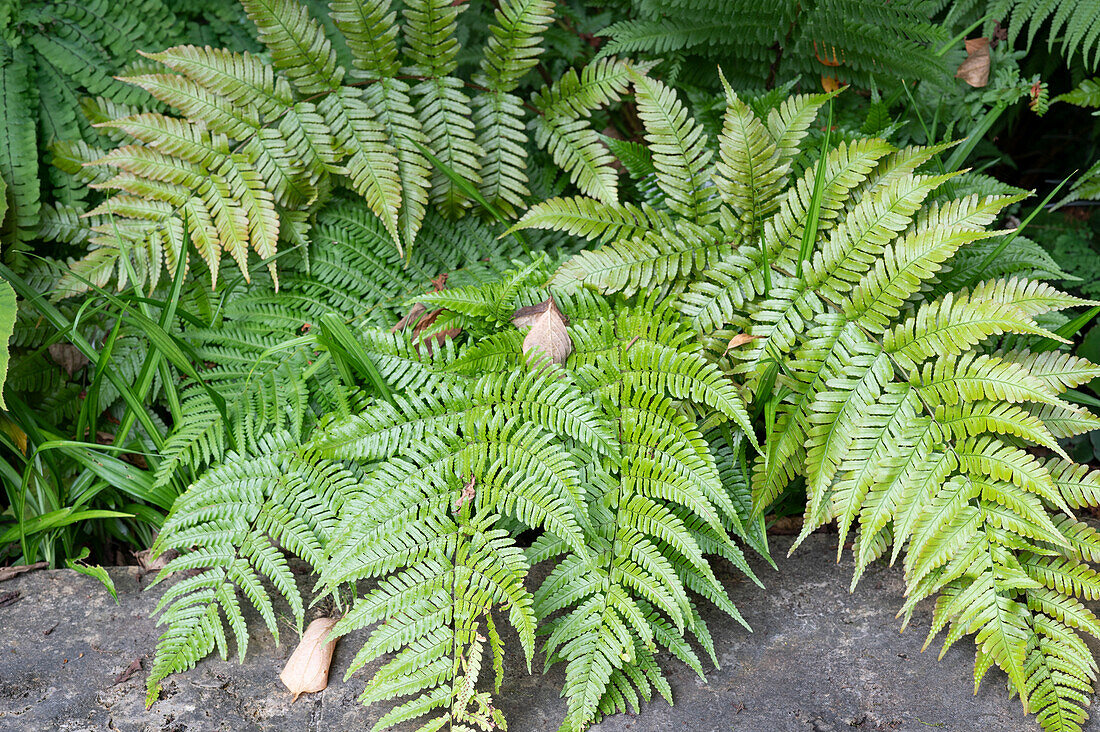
(820, 659)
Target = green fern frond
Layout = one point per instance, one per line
(680, 150)
(512, 49)
(560, 128)
(1072, 24)
(297, 44)
(256, 146)
(238, 516)
(869, 45)
(18, 149)
(877, 370)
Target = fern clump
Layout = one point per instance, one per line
(57, 77)
(1070, 25)
(258, 145)
(849, 316)
(903, 382)
(605, 457)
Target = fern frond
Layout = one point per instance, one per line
(877, 373)
(238, 515)
(297, 44)
(18, 148)
(680, 151)
(563, 130)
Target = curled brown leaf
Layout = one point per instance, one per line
(739, 340)
(6, 573)
(306, 670)
(68, 357)
(413, 316)
(468, 493)
(127, 672)
(431, 340)
(548, 334)
(975, 69)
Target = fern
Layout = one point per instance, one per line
(574, 146)
(260, 354)
(231, 524)
(857, 42)
(891, 401)
(565, 452)
(60, 56)
(510, 52)
(258, 146)
(1087, 185)
(601, 456)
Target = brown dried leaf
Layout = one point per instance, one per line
(306, 670)
(413, 316)
(430, 341)
(975, 69)
(548, 334)
(148, 564)
(739, 340)
(427, 321)
(127, 672)
(68, 357)
(1000, 33)
(468, 493)
(6, 573)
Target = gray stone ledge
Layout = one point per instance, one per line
(819, 659)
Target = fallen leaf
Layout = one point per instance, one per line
(975, 69)
(68, 357)
(548, 334)
(829, 83)
(467, 494)
(6, 573)
(129, 671)
(739, 340)
(1000, 33)
(306, 670)
(413, 316)
(148, 564)
(136, 460)
(416, 315)
(427, 321)
(439, 336)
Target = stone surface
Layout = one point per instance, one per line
(820, 659)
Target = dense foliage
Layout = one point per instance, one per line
(426, 294)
